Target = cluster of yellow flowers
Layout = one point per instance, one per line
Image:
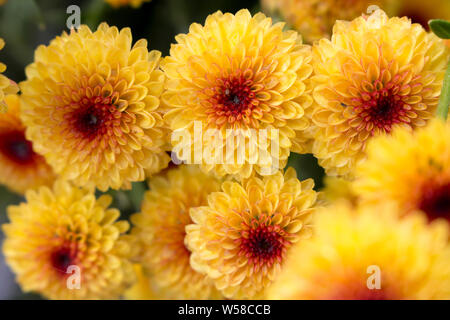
(97, 112)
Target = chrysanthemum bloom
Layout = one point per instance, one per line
(20, 167)
(7, 86)
(65, 244)
(241, 238)
(160, 228)
(375, 73)
(415, 170)
(239, 72)
(91, 107)
(367, 254)
(121, 3)
(314, 19)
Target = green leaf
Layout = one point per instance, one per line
(441, 28)
(307, 166)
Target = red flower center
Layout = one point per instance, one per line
(232, 98)
(382, 108)
(435, 201)
(263, 245)
(93, 117)
(16, 147)
(61, 259)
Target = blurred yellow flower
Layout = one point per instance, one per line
(91, 107)
(270, 6)
(374, 74)
(20, 167)
(66, 244)
(241, 237)
(239, 72)
(411, 169)
(7, 86)
(367, 254)
(314, 19)
(338, 189)
(160, 228)
(142, 289)
(121, 3)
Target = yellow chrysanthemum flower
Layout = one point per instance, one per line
(20, 167)
(142, 289)
(416, 170)
(91, 107)
(121, 3)
(240, 239)
(374, 74)
(239, 72)
(314, 19)
(367, 254)
(160, 228)
(65, 244)
(7, 86)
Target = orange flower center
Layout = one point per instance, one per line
(232, 99)
(381, 108)
(263, 245)
(17, 148)
(61, 258)
(93, 117)
(435, 201)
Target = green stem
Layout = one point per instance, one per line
(444, 101)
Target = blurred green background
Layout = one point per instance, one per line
(25, 24)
